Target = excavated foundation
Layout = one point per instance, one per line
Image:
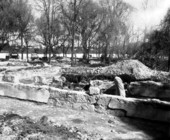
(85, 99)
(42, 85)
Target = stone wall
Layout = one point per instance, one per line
(21, 91)
(150, 89)
(149, 109)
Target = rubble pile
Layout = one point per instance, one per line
(15, 127)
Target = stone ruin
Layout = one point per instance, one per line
(94, 89)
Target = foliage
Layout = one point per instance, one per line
(89, 22)
(157, 49)
(7, 24)
(113, 27)
(24, 19)
(15, 22)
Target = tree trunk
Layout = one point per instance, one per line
(85, 54)
(96, 51)
(73, 33)
(124, 48)
(27, 52)
(72, 49)
(49, 54)
(46, 51)
(169, 61)
(85, 50)
(99, 51)
(105, 51)
(22, 49)
(63, 51)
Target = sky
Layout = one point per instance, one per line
(151, 16)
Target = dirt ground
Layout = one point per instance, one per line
(43, 122)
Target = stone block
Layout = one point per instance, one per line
(26, 81)
(119, 86)
(145, 109)
(94, 91)
(104, 85)
(59, 78)
(91, 99)
(71, 98)
(39, 80)
(103, 100)
(10, 78)
(81, 98)
(25, 92)
(54, 93)
(117, 112)
(149, 89)
(58, 81)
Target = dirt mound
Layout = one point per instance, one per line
(129, 67)
(128, 70)
(161, 76)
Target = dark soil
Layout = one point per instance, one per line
(24, 127)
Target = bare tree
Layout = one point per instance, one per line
(70, 9)
(28, 37)
(48, 23)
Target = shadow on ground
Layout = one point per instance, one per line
(155, 130)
